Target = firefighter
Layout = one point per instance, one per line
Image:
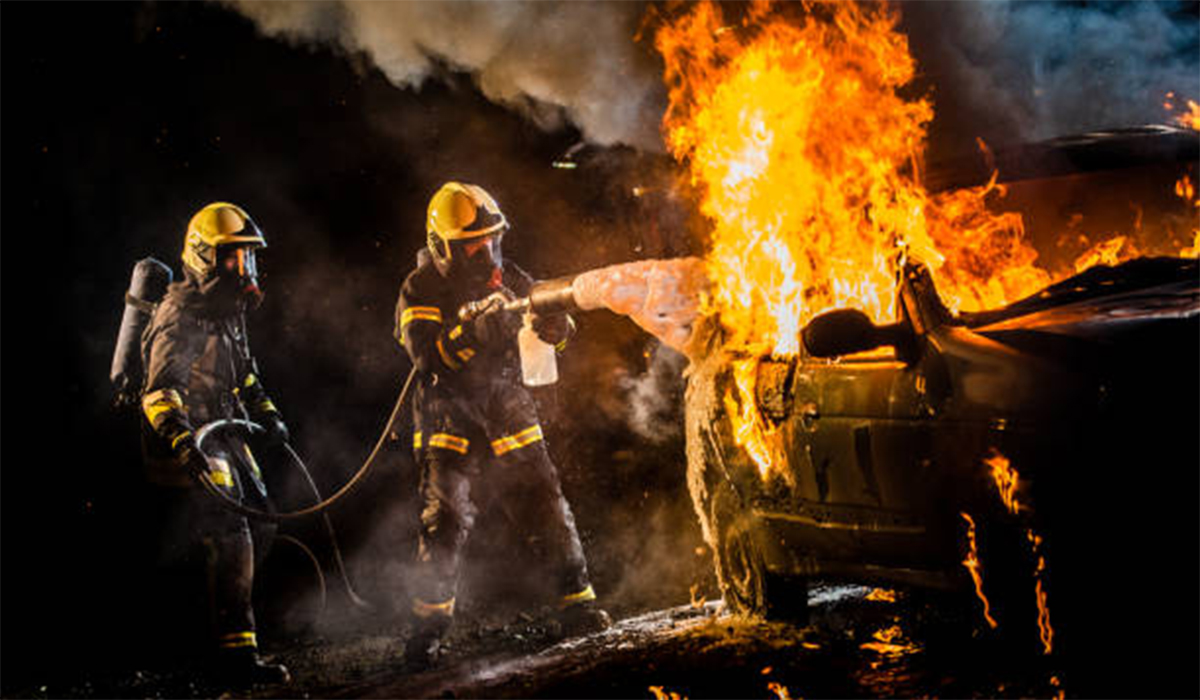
(476, 426)
(199, 369)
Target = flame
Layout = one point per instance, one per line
(808, 158)
(660, 694)
(1191, 118)
(882, 595)
(697, 596)
(1185, 189)
(751, 430)
(1006, 479)
(1045, 629)
(781, 691)
(1061, 692)
(800, 131)
(974, 566)
(1113, 251)
(889, 641)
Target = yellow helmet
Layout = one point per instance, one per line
(217, 224)
(458, 212)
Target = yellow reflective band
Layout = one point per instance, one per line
(221, 478)
(580, 597)
(465, 354)
(425, 610)
(420, 313)
(446, 357)
(267, 407)
(250, 379)
(239, 639)
(449, 442)
(175, 442)
(508, 443)
(455, 332)
(562, 345)
(157, 403)
(417, 440)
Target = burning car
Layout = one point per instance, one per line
(883, 451)
(1039, 452)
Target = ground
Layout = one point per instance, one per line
(860, 643)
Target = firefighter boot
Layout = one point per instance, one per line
(582, 619)
(242, 668)
(424, 647)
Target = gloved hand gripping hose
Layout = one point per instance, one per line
(241, 509)
(321, 505)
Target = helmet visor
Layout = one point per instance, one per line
(239, 263)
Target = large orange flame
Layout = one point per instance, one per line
(795, 129)
(806, 150)
(808, 156)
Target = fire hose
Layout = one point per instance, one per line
(205, 481)
(321, 505)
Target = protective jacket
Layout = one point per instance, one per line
(476, 432)
(199, 369)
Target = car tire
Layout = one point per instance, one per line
(747, 585)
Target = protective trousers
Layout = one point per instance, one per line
(201, 534)
(494, 446)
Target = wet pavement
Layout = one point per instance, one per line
(861, 642)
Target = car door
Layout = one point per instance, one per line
(860, 431)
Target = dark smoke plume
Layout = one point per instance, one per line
(572, 61)
(1020, 71)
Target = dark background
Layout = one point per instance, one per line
(126, 119)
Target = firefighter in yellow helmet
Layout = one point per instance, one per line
(476, 426)
(199, 369)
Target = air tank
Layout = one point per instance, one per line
(147, 286)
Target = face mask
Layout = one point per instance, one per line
(480, 260)
(237, 268)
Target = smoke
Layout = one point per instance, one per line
(573, 62)
(1033, 70)
(653, 399)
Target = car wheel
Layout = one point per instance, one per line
(747, 585)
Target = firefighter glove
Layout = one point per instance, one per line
(491, 328)
(188, 455)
